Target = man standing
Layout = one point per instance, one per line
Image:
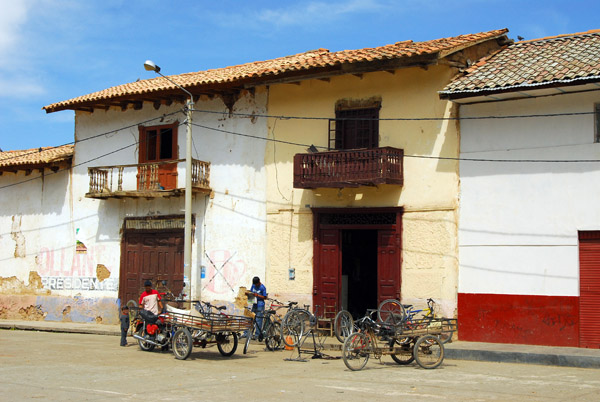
(259, 291)
(150, 299)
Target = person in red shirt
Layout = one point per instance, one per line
(150, 299)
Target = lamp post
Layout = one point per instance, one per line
(187, 241)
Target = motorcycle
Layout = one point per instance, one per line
(152, 330)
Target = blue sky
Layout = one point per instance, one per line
(53, 50)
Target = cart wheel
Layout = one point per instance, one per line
(227, 343)
(343, 325)
(391, 311)
(182, 344)
(406, 356)
(292, 328)
(356, 351)
(273, 339)
(429, 351)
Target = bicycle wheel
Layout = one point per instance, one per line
(391, 311)
(292, 328)
(182, 344)
(428, 351)
(343, 325)
(406, 356)
(356, 351)
(273, 338)
(227, 343)
(248, 337)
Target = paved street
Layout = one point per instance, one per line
(61, 366)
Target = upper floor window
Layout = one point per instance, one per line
(158, 145)
(355, 128)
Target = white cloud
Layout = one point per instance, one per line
(12, 18)
(20, 87)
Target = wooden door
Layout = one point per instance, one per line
(328, 270)
(388, 265)
(158, 144)
(589, 289)
(154, 256)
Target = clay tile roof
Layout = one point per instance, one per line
(35, 157)
(564, 59)
(263, 71)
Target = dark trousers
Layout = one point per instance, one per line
(124, 336)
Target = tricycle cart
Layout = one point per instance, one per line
(405, 342)
(207, 328)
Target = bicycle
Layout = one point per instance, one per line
(427, 350)
(393, 312)
(271, 326)
(298, 324)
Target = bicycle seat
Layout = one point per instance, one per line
(407, 305)
(220, 307)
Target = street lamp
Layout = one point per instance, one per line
(187, 241)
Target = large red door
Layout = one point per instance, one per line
(388, 265)
(154, 256)
(329, 270)
(589, 289)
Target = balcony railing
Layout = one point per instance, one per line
(351, 168)
(147, 180)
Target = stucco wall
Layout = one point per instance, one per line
(44, 220)
(519, 221)
(429, 194)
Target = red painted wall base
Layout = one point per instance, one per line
(521, 319)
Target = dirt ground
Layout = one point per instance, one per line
(59, 366)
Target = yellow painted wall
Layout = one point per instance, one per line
(429, 194)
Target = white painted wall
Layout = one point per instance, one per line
(231, 222)
(519, 221)
(41, 220)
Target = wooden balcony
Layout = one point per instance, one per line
(146, 180)
(351, 168)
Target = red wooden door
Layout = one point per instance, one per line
(155, 256)
(589, 289)
(329, 270)
(388, 265)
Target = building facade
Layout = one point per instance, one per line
(529, 232)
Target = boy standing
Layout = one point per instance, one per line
(124, 324)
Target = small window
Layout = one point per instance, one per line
(355, 128)
(597, 122)
(158, 143)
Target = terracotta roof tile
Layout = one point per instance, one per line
(263, 70)
(36, 156)
(558, 59)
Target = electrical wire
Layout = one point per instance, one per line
(88, 138)
(299, 144)
(283, 117)
(412, 156)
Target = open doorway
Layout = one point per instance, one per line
(359, 271)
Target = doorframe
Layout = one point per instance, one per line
(318, 213)
(147, 225)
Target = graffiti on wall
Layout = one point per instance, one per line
(223, 272)
(62, 269)
(79, 283)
